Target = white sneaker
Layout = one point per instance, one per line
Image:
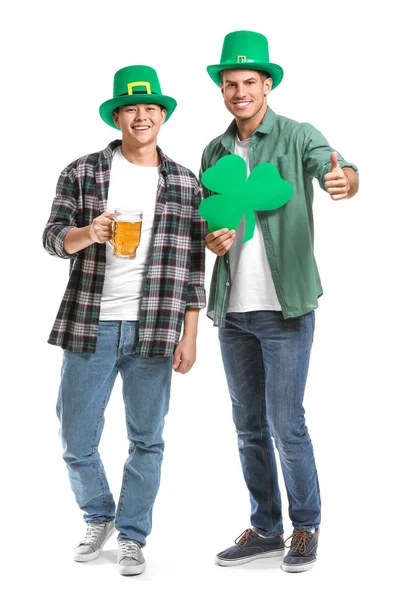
(130, 558)
(96, 536)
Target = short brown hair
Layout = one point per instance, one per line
(263, 74)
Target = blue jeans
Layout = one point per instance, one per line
(86, 384)
(266, 360)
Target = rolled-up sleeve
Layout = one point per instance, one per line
(316, 154)
(63, 215)
(196, 297)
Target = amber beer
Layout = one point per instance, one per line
(127, 229)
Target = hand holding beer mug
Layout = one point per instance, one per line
(127, 229)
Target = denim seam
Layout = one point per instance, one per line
(149, 512)
(99, 522)
(246, 320)
(95, 446)
(308, 347)
(124, 483)
(267, 469)
(306, 527)
(306, 331)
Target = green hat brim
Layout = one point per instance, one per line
(275, 71)
(106, 109)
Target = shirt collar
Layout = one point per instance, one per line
(108, 155)
(266, 125)
(164, 166)
(108, 151)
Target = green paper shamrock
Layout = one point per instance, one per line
(263, 190)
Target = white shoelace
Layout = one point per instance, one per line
(128, 549)
(93, 532)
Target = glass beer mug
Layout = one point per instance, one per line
(127, 229)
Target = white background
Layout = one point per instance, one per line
(59, 60)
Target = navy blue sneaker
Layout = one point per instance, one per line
(250, 546)
(302, 554)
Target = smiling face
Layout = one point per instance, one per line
(139, 123)
(245, 94)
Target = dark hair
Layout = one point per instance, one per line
(117, 110)
(263, 74)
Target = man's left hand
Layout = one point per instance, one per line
(185, 355)
(336, 182)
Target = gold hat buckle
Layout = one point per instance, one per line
(145, 84)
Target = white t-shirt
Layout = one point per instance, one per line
(131, 186)
(252, 286)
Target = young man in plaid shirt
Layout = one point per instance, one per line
(125, 315)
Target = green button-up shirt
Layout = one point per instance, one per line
(300, 152)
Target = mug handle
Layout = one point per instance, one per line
(112, 231)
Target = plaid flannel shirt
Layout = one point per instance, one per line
(175, 279)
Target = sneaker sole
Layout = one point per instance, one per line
(297, 568)
(224, 562)
(136, 570)
(93, 555)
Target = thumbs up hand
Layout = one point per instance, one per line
(336, 182)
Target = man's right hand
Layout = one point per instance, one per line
(220, 241)
(100, 228)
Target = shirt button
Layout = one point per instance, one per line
(228, 283)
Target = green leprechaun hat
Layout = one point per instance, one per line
(137, 84)
(246, 50)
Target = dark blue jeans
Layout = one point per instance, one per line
(266, 359)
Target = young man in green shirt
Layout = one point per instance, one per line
(263, 296)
